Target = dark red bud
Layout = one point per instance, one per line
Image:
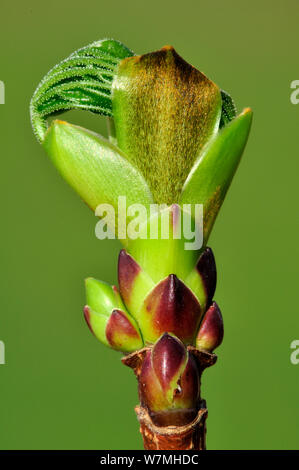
(211, 331)
(169, 359)
(173, 308)
(206, 267)
(169, 385)
(151, 394)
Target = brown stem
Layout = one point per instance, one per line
(182, 437)
(191, 436)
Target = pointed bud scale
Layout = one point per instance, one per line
(151, 394)
(128, 271)
(134, 283)
(122, 332)
(189, 390)
(202, 279)
(118, 331)
(171, 307)
(169, 357)
(169, 382)
(206, 268)
(210, 333)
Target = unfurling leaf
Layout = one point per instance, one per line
(165, 111)
(82, 81)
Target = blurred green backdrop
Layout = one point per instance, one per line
(62, 389)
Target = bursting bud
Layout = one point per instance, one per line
(169, 385)
(210, 333)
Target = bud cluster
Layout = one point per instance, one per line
(170, 319)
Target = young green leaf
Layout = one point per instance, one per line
(95, 168)
(212, 173)
(228, 111)
(82, 81)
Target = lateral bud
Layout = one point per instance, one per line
(108, 319)
(211, 330)
(169, 385)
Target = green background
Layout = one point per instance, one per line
(62, 389)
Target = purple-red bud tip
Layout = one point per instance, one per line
(128, 269)
(169, 384)
(168, 357)
(119, 328)
(173, 308)
(206, 267)
(211, 331)
(86, 312)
